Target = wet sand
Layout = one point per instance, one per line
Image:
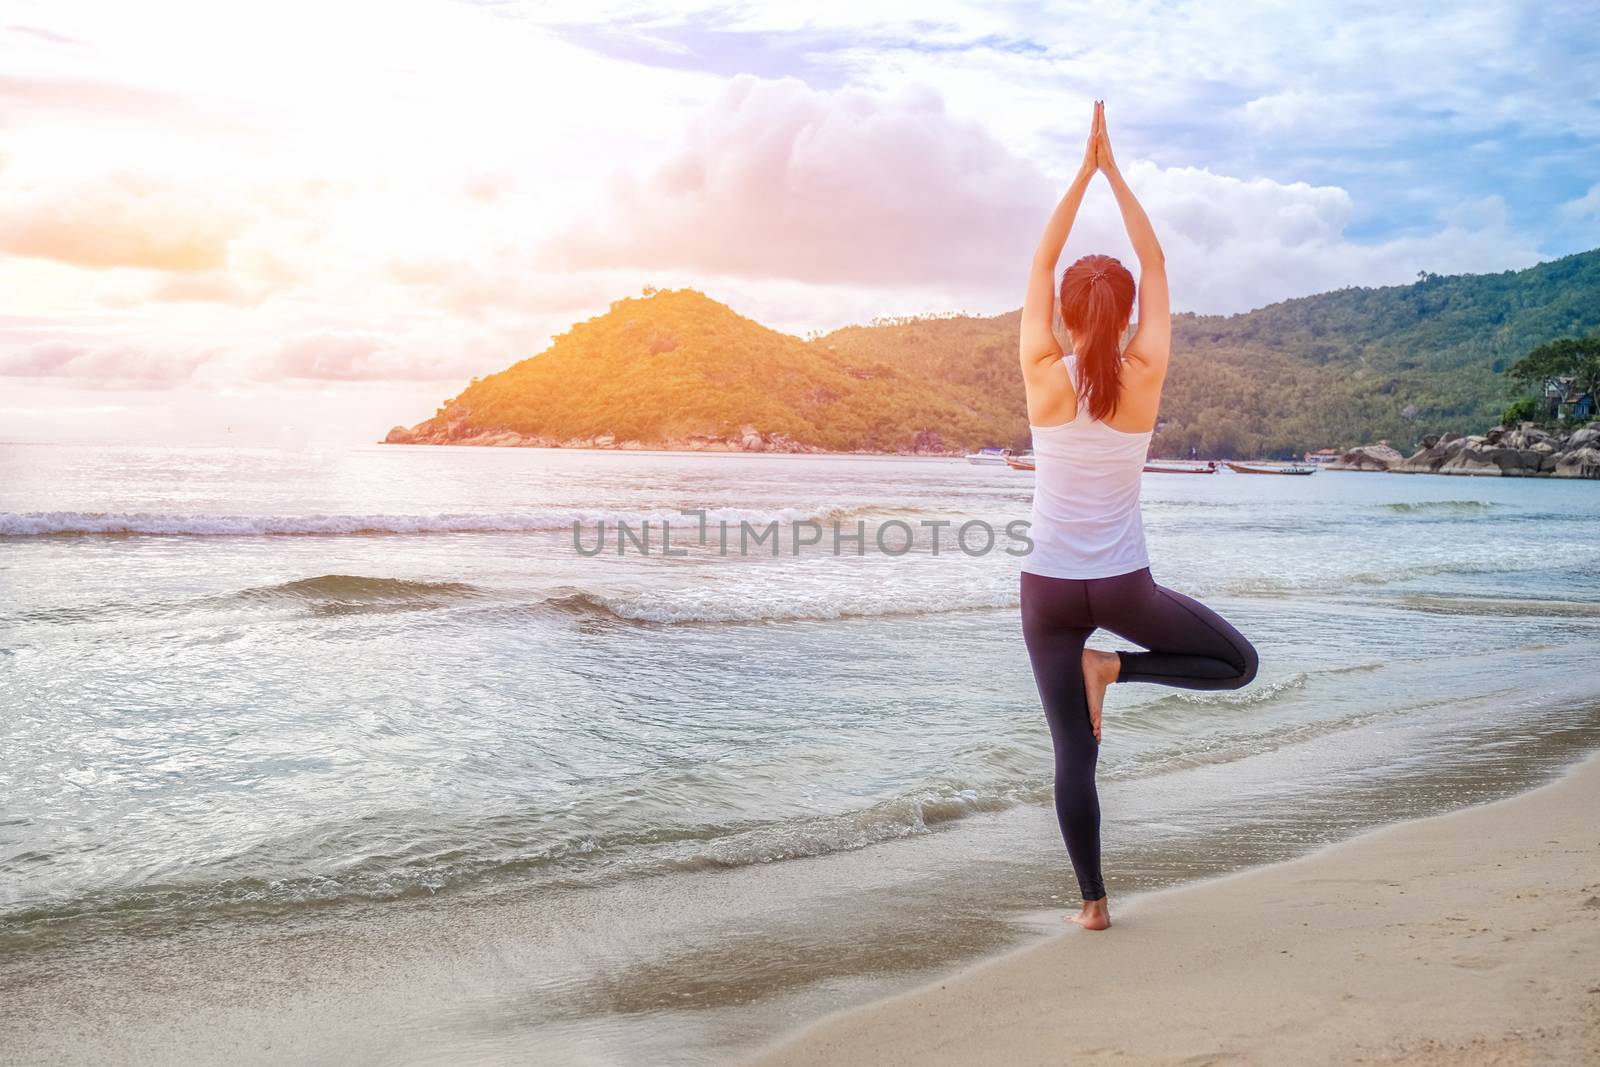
(1466, 938)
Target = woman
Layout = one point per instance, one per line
(1092, 413)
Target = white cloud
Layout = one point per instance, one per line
(419, 353)
(780, 181)
(777, 180)
(1586, 206)
(100, 365)
(1299, 110)
(121, 220)
(1232, 245)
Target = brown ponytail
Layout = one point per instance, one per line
(1096, 301)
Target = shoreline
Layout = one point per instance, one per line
(822, 453)
(1465, 937)
(801, 454)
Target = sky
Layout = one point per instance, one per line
(302, 223)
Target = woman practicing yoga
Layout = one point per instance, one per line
(1092, 413)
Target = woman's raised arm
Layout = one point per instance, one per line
(1038, 344)
(1152, 340)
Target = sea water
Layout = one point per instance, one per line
(707, 784)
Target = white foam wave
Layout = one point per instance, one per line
(1258, 694)
(708, 605)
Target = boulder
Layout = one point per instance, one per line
(784, 443)
(1500, 458)
(400, 435)
(490, 439)
(1436, 451)
(1583, 462)
(1527, 436)
(1474, 459)
(1588, 437)
(1378, 457)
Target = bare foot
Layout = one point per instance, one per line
(1094, 916)
(1100, 669)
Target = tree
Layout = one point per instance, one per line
(1523, 409)
(1574, 358)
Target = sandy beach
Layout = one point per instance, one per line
(1466, 938)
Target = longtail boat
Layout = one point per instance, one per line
(1242, 468)
(1156, 468)
(1020, 463)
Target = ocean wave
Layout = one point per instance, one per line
(743, 605)
(1255, 695)
(737, 602)
(1451, 507)
(1238, 698)
(451, 857)
(1431, 570)
(343, 593)
(1573, 558)
(1225, 746)
(1559, 609)
(126, 524)
(1221, 747)
(1251, 696)
(324, 594)
(904, 816)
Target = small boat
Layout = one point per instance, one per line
(1243, 468)
(1023, 462)
(990, 456)
(1158, 468)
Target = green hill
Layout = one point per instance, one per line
(676, 364)
(1336, 369)
(1360, 364)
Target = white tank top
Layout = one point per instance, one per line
(1086, 521)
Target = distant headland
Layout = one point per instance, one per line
(674, 369)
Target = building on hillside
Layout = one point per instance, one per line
(1322, 455)
(1563, 398)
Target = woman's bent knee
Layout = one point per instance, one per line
(1252, 662)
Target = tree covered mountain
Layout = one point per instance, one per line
(1332, 370)
(675, 365)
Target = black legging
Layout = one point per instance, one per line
(1191, 647)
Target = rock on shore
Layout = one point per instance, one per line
(1378, 457)
(1523, 452)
